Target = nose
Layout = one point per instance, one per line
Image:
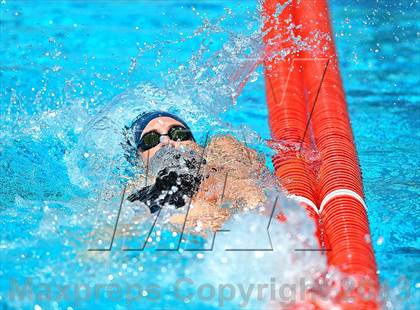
(164, 140)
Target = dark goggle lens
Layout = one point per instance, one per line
(179, 134)
(152, 139)
(149, 141)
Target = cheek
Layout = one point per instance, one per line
(179, 144)
(153, 151)
(190, 144)
(146, 156)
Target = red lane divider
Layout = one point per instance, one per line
(345, 218)
(311, 92)
(287, 104)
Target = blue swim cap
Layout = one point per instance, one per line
(141, 121)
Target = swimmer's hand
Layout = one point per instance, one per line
(170, 187)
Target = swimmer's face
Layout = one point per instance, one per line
(162, 125)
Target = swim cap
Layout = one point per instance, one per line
(141, 121)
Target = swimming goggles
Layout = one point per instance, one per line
(175, 133)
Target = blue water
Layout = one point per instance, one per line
(63, 62)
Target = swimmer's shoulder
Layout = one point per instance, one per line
(229, 147)
(227, 139)
(230, 144)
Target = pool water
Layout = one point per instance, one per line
(63, 63)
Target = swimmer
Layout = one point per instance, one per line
(216, 181)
